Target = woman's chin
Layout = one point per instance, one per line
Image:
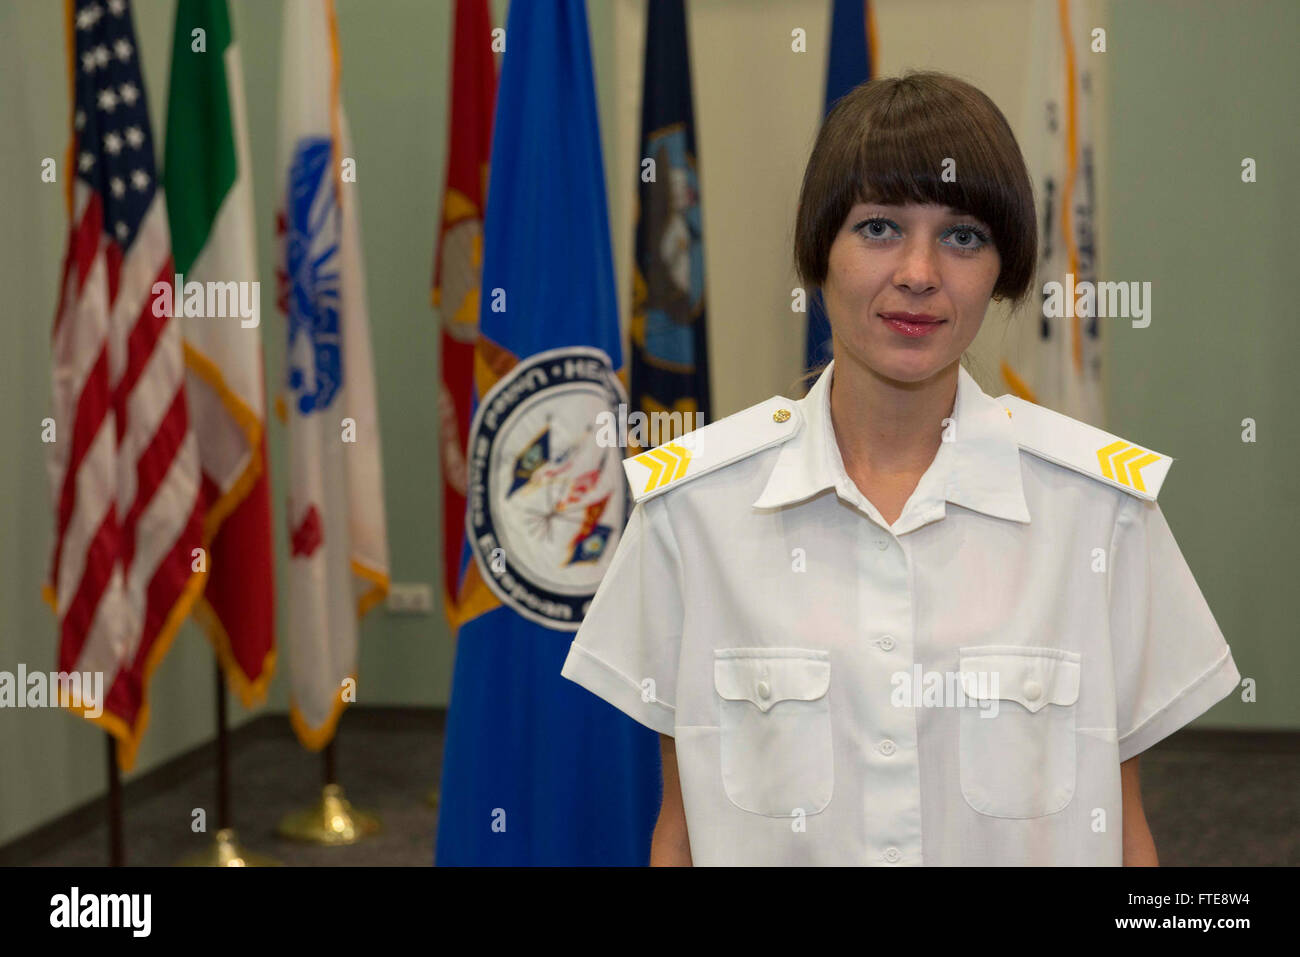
(915, 367)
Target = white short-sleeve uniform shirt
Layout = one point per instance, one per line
(957, 688)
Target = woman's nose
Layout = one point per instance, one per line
(918, 269)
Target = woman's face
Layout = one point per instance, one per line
(924, 260)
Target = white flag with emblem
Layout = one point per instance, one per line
(1049, 358)
(338, 556)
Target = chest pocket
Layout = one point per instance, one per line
(1017, 730)
(775, 728)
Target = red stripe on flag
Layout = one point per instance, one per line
(125, 696)
(152, 466)
(92, 406)
(113, 262)
(101, 559)
(211, 491)
(83, 246)
(145, 333)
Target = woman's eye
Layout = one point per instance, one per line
(876, 228)
(968, 237)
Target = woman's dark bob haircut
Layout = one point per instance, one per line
(887, 140)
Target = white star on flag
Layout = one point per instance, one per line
(87, 161)
(113, 143)
(101, 55)
(117, 7)
(118, 186)
(122, 230)
(123, 50)
(128, 93)
(107, 101)
(134, 137)
(140, 179)
(88, 62)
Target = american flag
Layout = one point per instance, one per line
(124, 469)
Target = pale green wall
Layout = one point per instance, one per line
(1192, 89)
(1195, 88)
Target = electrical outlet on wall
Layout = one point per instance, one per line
(410, 598)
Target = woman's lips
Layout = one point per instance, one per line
(912, 324)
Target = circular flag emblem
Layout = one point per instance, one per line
(547, 503)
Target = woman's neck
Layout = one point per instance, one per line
(886, 427)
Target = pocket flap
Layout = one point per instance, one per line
(1032, 677)
(764, 676)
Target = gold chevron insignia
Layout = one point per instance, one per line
(667, 463)
(1123, 462)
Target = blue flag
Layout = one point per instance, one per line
(537, 770)
(848, 64)
(669, 345)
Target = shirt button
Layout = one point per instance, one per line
(881, 544)
(887, 643)
(887, 747)
(1032, 690)
(893, 854)
(764, 690)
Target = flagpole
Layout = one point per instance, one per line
(223, 752)
(332, 820)
(225, 850)
(116, 849)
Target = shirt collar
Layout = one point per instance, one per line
(979, 469)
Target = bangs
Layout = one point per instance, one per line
(906, 155)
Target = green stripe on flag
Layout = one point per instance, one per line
(200, 165)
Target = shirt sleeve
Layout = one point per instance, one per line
(1171, 660)
(627, 648)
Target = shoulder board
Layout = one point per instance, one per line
(1084, 448)
(712, 446)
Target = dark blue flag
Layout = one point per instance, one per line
(670, 367)
(848, 64)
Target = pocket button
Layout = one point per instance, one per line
(1033, 690)
(764, 690)
(892, 854)
(887, 643)
(887, 747)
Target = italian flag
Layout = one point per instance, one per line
(210, 206)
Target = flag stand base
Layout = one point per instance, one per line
(226, 851)
(331, 820)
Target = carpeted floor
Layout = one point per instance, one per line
(1212, 798)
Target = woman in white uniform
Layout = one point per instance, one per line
(899, 621)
